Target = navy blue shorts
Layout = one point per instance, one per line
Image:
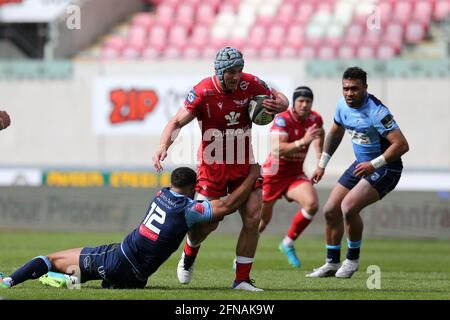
(384, 179)
(107, 263)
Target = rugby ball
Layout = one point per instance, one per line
(257, 112)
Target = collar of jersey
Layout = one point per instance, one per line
(176, 194)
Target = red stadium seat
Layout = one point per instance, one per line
(346, 52)
(308, 52)
(199, 36)
(268, 52)
(403, 11)
(415, 32)
(326, 52)
(191, 53)
(441, 9)
(151, 53)
(386, 51)
(365, 51)
(288, 52)
(143, 19)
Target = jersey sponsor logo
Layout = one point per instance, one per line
(359, 137)
(388, 121)
(199, 208)
(208, 92)
(280, 122)
(244, 85)
(241, 103)
(232, 118)
(191, 96)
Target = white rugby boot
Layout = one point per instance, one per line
(185, 268)
(327, 270)
(348, 268)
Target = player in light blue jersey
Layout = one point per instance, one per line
(378, 144)
(128, 265)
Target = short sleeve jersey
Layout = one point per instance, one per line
(290, 125)
(368, 126)
(168, 218)
(223, 116)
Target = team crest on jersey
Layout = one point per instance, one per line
(220, 105)
(280, 122)
(232, 118)
(191, 96)
(296, 131)
(199, 208)
(244, 85)
(312, 117)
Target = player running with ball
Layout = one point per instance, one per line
(220, 103)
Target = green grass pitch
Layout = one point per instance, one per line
(410, 269)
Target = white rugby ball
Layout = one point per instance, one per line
(257, 112)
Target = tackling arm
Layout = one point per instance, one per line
(234, 201)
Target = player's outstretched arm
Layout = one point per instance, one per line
(5, 120)
(332, 141)
(236, 199)
(169, 135)
(398, 147)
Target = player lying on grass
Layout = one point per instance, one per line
(128, 264)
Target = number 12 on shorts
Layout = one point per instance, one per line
(148, 228)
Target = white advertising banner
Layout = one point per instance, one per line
(137, 105)
(20, 177)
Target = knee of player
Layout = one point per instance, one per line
(347, 208)
(311, 207)
(252, 219)
(332, 213)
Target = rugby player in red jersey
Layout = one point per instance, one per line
(220, 104)
(292, 132)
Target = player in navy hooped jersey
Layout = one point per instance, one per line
(378, 144)
(128, 264)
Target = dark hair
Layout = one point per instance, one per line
(355, 73)
(302, 91)
(183, 177)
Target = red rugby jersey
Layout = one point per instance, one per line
(224, 119)
(289, 124)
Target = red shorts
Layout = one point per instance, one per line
(218, 180)
(275, 186)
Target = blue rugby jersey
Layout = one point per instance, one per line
(368, 126)
(162, 230)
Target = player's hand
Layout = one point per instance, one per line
(5, 120)
(277, 105)
(364, 169)
(317, 175)
(311, 133)
(159, 156)
(255, 171)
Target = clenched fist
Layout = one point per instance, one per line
(5, 121)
